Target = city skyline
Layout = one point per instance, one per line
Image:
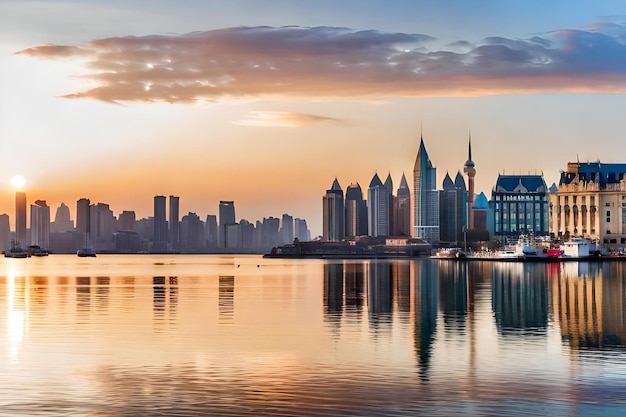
(264, 103)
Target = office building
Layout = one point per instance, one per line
(378, 208)
(453, 209)
(519, 204)
(333, 215)
(62, 222)
(160, 221)
(403, 223)
(425, 197)
(20, 218)
(126, 220)
(40, 224)
(356, 212)
(227, 217)
(174, 223)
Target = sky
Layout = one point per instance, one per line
(265, 102)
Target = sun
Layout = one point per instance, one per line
(18, 181)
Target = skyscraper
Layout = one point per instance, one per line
(20, 217)
(392, 210)
(471, 173)
(333, 213)
(378, 208)
(82, 215)
(404, 208)
(62, 222)
(286, 229)
(452, 209)
(227, 217)
(174, 224)
(160, 220)
(40, 224)
(126, 220)
(425, 197)
(356, 211)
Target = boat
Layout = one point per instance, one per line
(86, 252)
(36, 250)
(578, 247)
(16, 251)
(447, 253)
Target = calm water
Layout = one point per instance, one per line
(241, 335)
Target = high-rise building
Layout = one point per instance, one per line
(404, 208)
(174, 223)
(40, 224)
(301, 231)
(393, 206)
(211, 231)
(425, 197)
(62, 222)
(160, 220)
(378, 208)
(227, 217)
(356, 211)
(286, 229)
(102, 226)
(471, 173)
(452, 209)
(191, 233)
(82, 215)
(5, 232)
(333, 213)
(126, 220)
(20, 217)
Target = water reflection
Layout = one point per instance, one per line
(520, 298)
(312, 337)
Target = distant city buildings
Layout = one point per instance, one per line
(378, 208)
(333, 215)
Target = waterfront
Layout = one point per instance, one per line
(242, 335)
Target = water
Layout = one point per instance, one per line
(241, 335)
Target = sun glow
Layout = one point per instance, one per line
(18, 181)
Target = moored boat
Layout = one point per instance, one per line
(86, 252)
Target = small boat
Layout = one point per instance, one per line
(36, 250)
(578, 247)
(15, 252)
(86, 252)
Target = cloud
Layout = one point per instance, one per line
(339, 63)
(282, 119)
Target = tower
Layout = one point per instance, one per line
(227, 217)
(333, 214)
(425, 197)
(378, 208)
(40, 224)
(20, 217)
(160, 221)
(404, 208)
(174, 223)
(471, 173)
(356, 211)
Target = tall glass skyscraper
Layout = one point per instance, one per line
(378, 208)
(425, 197)
(333, 214)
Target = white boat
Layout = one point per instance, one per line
(578, 247)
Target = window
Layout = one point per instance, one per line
(608, 216)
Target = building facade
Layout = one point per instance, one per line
(425, 197)
(378, 208)
(453, 209)
(591, 202)
(40, 224)
(519, 204)
(333, 214)
(356, 211)
(403, 217)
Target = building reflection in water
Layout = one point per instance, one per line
(588, 301)
(355, 285)
(226, 299)
(425, 324)
(453, 294)
(83, 298)
(520, 298)
(102, 292)
(161, 285)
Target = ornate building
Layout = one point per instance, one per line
(519, 204)
(591, 202)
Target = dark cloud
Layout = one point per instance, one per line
(339, 63)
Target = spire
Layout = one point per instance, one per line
(403, 183)
(336, 185)
(447, 183)
(389, 183)
(469, 147)
(469, 164)
(376, 182)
